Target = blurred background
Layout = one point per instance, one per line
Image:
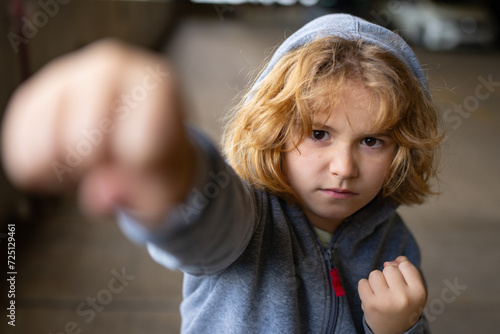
(68, 266)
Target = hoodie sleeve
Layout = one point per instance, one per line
(211, 229)
(420, 327)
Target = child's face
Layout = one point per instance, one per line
(342, 165)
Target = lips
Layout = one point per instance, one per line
(339, 193)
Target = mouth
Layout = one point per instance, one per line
(339, 193)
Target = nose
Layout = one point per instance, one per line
(343, 163)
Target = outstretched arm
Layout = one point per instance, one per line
(107, 121)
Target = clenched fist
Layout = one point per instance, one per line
(391, 298)
(107, 120)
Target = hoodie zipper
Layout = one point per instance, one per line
(335, 288)
(335, 302)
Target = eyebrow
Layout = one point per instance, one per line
(377, 134)
(323, 127)
(367, 134)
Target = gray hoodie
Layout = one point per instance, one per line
(252, 261)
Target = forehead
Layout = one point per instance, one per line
(354, 105)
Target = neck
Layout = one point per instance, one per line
(328, 225)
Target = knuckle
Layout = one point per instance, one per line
(403, 302)
(390, 269)
(104, 56)
(406, 265)
(421, 295)
(374, 275)
(106, 45)
(362, 282)
(402, 258)
(369, 305)
(384, 305)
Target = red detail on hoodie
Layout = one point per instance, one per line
(337, 285)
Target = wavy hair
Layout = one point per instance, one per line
(309, 80)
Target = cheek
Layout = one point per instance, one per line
(375, 171)
(297, 168)
(291, 165)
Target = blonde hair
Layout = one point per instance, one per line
(309, 80)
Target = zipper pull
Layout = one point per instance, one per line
(337, 285)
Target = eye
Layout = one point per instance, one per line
(319, 135)
(372, 142)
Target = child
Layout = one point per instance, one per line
(300, 234)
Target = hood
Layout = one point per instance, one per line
(351, 28)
